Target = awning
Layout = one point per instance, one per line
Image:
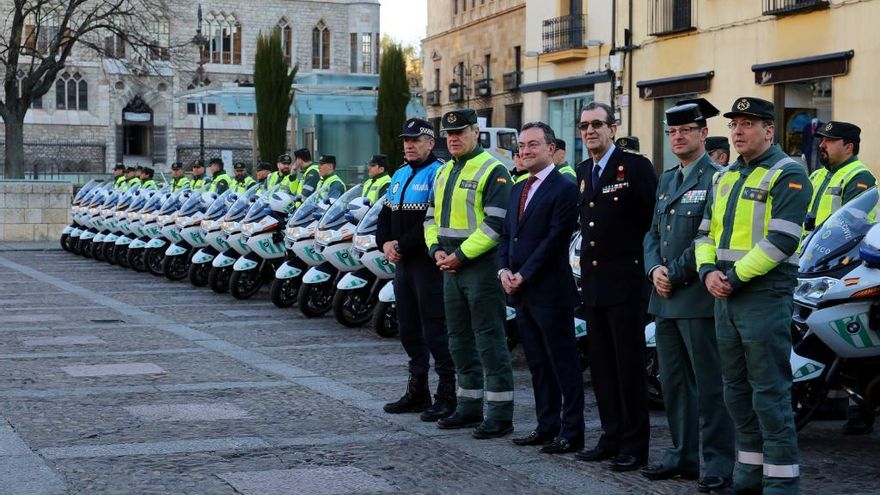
(587, 79)
(675, 86)
(136, 117)
(800, 69)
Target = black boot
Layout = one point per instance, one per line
(445, 400)
(859, 421)
(416, 399)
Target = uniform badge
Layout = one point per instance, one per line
(828, 126)
(412, 123)
(395, 188)
(583, 186)
(621, 176)
(468, 184)
(725, 189)
(694, 196)
(451, 118)
(743, 104)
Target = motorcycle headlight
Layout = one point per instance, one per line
(93, 211)
(248, 229)
(812, 290)
(209, 224)
(133, 215)
(364, 242)
(325, 237)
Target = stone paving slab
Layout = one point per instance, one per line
(62, 341)
(187, 412)
(122, 369)
(316, 481)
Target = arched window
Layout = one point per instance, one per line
(321, 46)
(286, 40)
(71, 92)
(224, 39)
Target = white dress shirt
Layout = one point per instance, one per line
(540, 177)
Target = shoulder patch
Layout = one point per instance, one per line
(795, 185)
(501, 180)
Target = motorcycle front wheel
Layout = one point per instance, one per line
(385, 320)
(153, 258)
(176, 267)
(97, 249)
(198, 274)
(316, 299)
(218, 279)
(652, 375)
(352, 308)
(120, 255)
(283, 291)
(136, 259)
(806, 398)
(245, 284)
(85, 248)
(64, 245)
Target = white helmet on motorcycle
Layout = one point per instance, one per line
(281, 202)
(357, 208)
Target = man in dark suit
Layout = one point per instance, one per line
(617, 194)
(533, 256)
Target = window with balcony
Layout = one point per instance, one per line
(563, 33)
(785, 7)
(671, 16)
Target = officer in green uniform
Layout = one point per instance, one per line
(519, 172)
(327, 169)
(462, 228)
(132, 177)
(309, 175)
(147, 181)
(746, 257)
(690, 369)
(220, 180)
(718, 148)
(119, 176)
(262, 171)
(198, 182)
(377, 184)
(561, 163)
(242, 181)
(630, 143)
(281, 176)
(178, 180)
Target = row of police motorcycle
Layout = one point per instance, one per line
(320, 253)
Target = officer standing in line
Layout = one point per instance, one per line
(377, 184)
(147, 181)
(242, 181)
(327, 169)
(198, 182)
(519, 172)
(746, 257)
(262, 172)
(119, 176)
(220, 180)
(310, 175)
(134, 178)
(561, 163)
(690, 369)
(178, 180)
(418, 283)
(630, 143)
(462, 227)
(281, 176)
(718, 148)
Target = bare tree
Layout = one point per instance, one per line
(38, 36)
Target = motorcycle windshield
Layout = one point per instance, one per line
(194, 204)
(370, 222)
(311, 209)
(221, 205)
(836, 242)
(85, 189)
(336, 213)
(257, 211)
(111, 199)
(172, 203)
(154, 203)
(241, 205)
(138, 202)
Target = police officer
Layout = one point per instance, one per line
(178, 180)
(132, 177)
(630, 143)
(281, 176)
(690, 370)
(377, 184)
(147, 181)
(718, 148)
(519, 172)
(262, 171)
(618, 189)
(327, 169)
(462, 227)
(198, 182)
(119, 176)
(746, 258)
(418, 283)
(242, 181)
(309, 176)
(220, 180)
(561, 163)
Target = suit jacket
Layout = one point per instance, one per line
(536, 246)
(670, 241)
(614, 219)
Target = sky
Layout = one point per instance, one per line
(404, 20)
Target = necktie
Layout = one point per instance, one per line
(524, 195)
(597, 170)
(679, 178)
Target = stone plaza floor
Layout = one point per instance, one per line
(113, 381)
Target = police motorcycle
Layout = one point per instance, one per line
(76, 209)
(145, 228)
(116, 215)
(333, 236)
(652, 367)
(212, 232)
(836, 320)
(80, 237)
(106, 225)
(154, 251)
(186, 236)
(299, 240)
(262, 230)
(126, 217)
(385, 314)
(230, 236)
(357, 293)
(95, 224)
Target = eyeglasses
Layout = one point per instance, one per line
(684, 131)
(595, 124)
(745, 124)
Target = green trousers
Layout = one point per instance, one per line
(753, 327)
(475, 314)
(690, 376)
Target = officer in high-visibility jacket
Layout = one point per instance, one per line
(132, 177)
(690, 369)
(119, 176)
(262, 171)
(220, 180)
(241, 182)
(147, 181)
(327, 168)
(377, 184)
(178, 180)
(561, 163)
(462, 228)
(281, 176)
(746, 257)
(309, 175)
(199, 182)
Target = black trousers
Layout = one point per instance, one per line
(617, 364)
(418, 290)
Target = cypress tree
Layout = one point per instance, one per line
(273, 89)
(394, 96)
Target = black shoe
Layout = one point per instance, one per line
(457, 421)
(656, 472)
(491, 428)
(416, 399)
(562, 446)
(626, 462)
(445, 400)
(858, 425)
(595, 454)
(711, 484)
(535, 438)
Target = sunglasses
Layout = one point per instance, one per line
(595, 124)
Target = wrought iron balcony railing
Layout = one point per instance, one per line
(784, 7)
(671, 16)
(563, 33)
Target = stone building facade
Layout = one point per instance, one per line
(106, 111)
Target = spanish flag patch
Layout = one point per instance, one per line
(862, 186)
(502, 180)
(796, 186)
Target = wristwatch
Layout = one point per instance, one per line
(502, 271)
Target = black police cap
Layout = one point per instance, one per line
(628, 142)
(216, 161)
(560, 144)
(840, 130)
(119, 166)
(176, 166)
(717, 143)
(285, 159)
(327, 159)
(130, 169)
(458, 119)
(380, 160)
(752, 107)
(303, 154)
(147, 170)
(239, 166)
(689, 111)
(198, 163)
(264, 166)
(417, 127)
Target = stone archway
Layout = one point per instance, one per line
(136, 138)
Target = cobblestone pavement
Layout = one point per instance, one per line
(113, 381)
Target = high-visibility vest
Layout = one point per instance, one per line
(372, 187)
(244, 184)
(131, 182)
(333, 179)
(276, 178)
(179, 183)
(119, 183)
(198, 184)
(221, 178)
(311, 169)
(566, 169)
(828, 191)
(149, 184)
(743, 242)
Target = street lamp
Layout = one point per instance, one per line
(199, 80)
(461, 90)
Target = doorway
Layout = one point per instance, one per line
(137, 132)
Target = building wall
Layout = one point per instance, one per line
(33, 211)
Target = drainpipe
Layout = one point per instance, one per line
(629, 68)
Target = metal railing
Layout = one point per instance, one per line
(72, 177)
(563, 33)
(671, 16)
(512, 80)
(782, 7)
(432, 98)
